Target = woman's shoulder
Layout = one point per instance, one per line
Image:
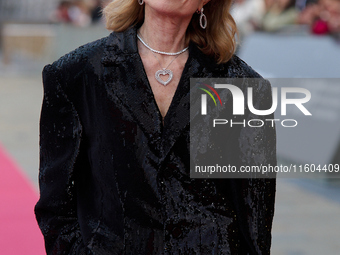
(66, 73)
(235, 67)
(238, 68)
(76, 61)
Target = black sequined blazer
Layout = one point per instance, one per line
(114, 180)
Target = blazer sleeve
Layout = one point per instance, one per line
(254, 197)
(60, 138)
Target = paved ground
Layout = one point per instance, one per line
(306, 222)
(20, 102)
(307, 212)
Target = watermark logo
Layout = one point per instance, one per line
(204, 97)
(239, 102)
(238, 128)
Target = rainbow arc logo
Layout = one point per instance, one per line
(204, 97)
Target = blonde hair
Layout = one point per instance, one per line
(217, 40)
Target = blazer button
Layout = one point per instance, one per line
(177, 232)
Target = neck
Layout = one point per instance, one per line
(164, 33)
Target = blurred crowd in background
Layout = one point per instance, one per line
(24, 24)
(80, 12)
(320, 16)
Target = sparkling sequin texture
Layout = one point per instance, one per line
(114, 180)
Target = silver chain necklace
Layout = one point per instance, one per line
(161, 52)
(163, 71)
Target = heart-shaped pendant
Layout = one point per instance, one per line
(164, 72)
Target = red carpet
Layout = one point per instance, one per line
(19, 232)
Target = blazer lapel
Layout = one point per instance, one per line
(125, 78)
(178, 116)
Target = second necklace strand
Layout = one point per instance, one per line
(165, 70)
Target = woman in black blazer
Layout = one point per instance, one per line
(114, 140)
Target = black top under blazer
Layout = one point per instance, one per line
(114, 180)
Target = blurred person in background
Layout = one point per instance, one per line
(80, 13)
(115, 139)
(323, 17)
(248, 15)
(96, 13)
(279, 14)
(61, 14)
(263, 15)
